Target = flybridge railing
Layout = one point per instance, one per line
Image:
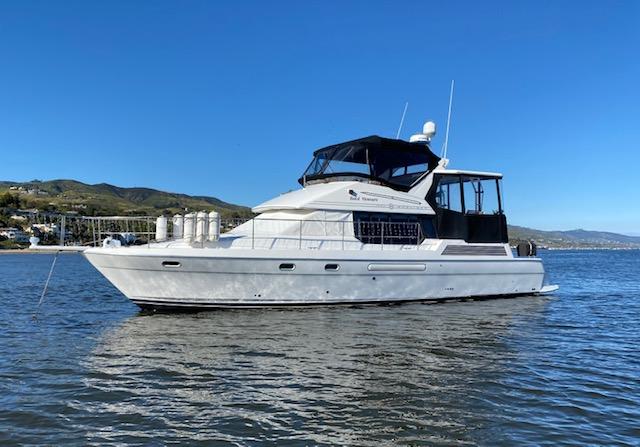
(256, 233)
(334, 234)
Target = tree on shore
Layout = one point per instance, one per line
(9, 200)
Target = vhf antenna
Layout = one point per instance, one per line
(406, 104)
(446, 135)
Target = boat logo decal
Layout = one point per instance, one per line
(354, 195)
(386, 196)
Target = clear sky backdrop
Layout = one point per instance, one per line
(229, 99)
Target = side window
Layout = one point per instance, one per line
(376, 228)
(448, 194)
(481, 196)
(411, 169)
(417, 169)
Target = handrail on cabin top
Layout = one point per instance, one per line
(377, 233)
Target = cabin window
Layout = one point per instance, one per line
(347, 159)
(347, 164)
(481, 196)
(448, 193)
(412, 169)
(317, 164)
(392, 228)
(468, 207)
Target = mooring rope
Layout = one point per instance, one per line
(46, 285)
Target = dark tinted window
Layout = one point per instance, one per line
(389, 228)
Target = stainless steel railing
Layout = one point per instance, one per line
(258, 233)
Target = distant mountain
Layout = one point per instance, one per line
(105, 199)
(573, 238)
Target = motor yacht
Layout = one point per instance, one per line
(375, 220)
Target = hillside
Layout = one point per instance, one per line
(105, 199)
(573, 238)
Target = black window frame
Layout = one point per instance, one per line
(481, 178)
(481, 228)
(434, 203)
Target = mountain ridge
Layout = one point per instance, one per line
(67, 195)
(578, 238)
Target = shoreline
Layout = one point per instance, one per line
(28, 251)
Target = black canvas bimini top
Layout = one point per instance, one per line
(396, 163)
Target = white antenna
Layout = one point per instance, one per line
(446, 135)
(406, 104)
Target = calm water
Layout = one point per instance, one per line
(529, 371)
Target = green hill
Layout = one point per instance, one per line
(104, 199)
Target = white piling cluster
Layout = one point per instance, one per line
(192, 227)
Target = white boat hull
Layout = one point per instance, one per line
(210, 278)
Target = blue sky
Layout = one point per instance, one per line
(230, 98)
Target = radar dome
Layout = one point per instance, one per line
(429, 129)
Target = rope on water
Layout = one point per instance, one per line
(46, 285)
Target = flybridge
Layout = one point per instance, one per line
(394, 163)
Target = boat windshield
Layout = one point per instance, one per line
(394, 162)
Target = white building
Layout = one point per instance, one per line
(42, 229)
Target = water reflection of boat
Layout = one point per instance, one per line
(323, 375)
